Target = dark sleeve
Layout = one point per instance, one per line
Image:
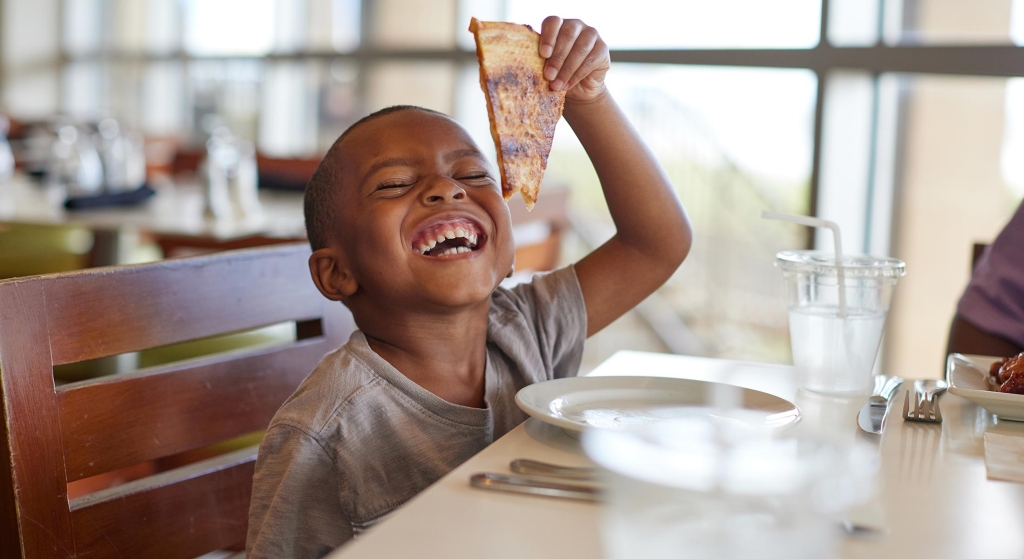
(296, 509)
(994, 300)
(553, 308)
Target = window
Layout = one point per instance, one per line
(655, 24)
(892, 117)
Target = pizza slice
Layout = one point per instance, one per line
(522, 109)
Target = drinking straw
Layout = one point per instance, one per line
(837, 241)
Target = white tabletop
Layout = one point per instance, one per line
(934, 496)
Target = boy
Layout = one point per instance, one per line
(410, 232)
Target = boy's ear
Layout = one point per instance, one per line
(331, 274)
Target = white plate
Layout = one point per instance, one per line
(578, 403)
(968, 377)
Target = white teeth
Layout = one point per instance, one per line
(449, 232)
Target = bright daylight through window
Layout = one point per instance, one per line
(742, 102)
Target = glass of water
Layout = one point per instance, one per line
(836, 316)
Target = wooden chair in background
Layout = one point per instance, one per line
(539, 232)
(53, 435)
(977, 251)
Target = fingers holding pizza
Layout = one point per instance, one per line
(577, 58)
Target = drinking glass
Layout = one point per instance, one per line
(836, 316)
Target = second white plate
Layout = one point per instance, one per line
(968, 378)
(578, 403)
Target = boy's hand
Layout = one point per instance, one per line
(577, 58)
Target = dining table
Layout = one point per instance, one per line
(932, 499)
(176, 211)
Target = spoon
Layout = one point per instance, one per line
(929, 390)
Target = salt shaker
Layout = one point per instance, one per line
(215, 173)
(244, 194)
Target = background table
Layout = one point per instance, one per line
(174, 213)
(933, 496)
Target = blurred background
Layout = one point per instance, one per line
(900, 119)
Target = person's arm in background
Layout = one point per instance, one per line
(967, 338)
(990, 316)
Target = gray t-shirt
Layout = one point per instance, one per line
(358, 439)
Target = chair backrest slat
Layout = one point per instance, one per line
(215, 493)
(29, 409)
(53, 435)
(118, 422)
(175, 301)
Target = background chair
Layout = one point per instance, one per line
(538, 233)
(54, 435)
(27, 249)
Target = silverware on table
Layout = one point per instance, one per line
(537, 468)
(533, 486)
(593, 493)
(926, 402)
(871, 418)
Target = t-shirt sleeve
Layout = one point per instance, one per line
(552, 305)
(296, 509)
(994, 300)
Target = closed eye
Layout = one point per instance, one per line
(393, 186)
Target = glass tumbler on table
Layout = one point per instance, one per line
(836, 316)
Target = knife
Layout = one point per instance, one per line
(871, 417)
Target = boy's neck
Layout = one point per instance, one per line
(444, 354)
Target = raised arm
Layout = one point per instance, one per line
(653, 234)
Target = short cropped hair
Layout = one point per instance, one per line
(318, 204)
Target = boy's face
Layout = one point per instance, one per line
(410, 178)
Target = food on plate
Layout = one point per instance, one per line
(521, 107)
(994, 369)
(1009, 375)
(1014, 384)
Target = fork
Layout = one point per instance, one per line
(926, 407)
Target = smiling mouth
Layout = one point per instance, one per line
(449, 238)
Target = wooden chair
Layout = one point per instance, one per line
(977, 251)
(539, 249)
(56, 435)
